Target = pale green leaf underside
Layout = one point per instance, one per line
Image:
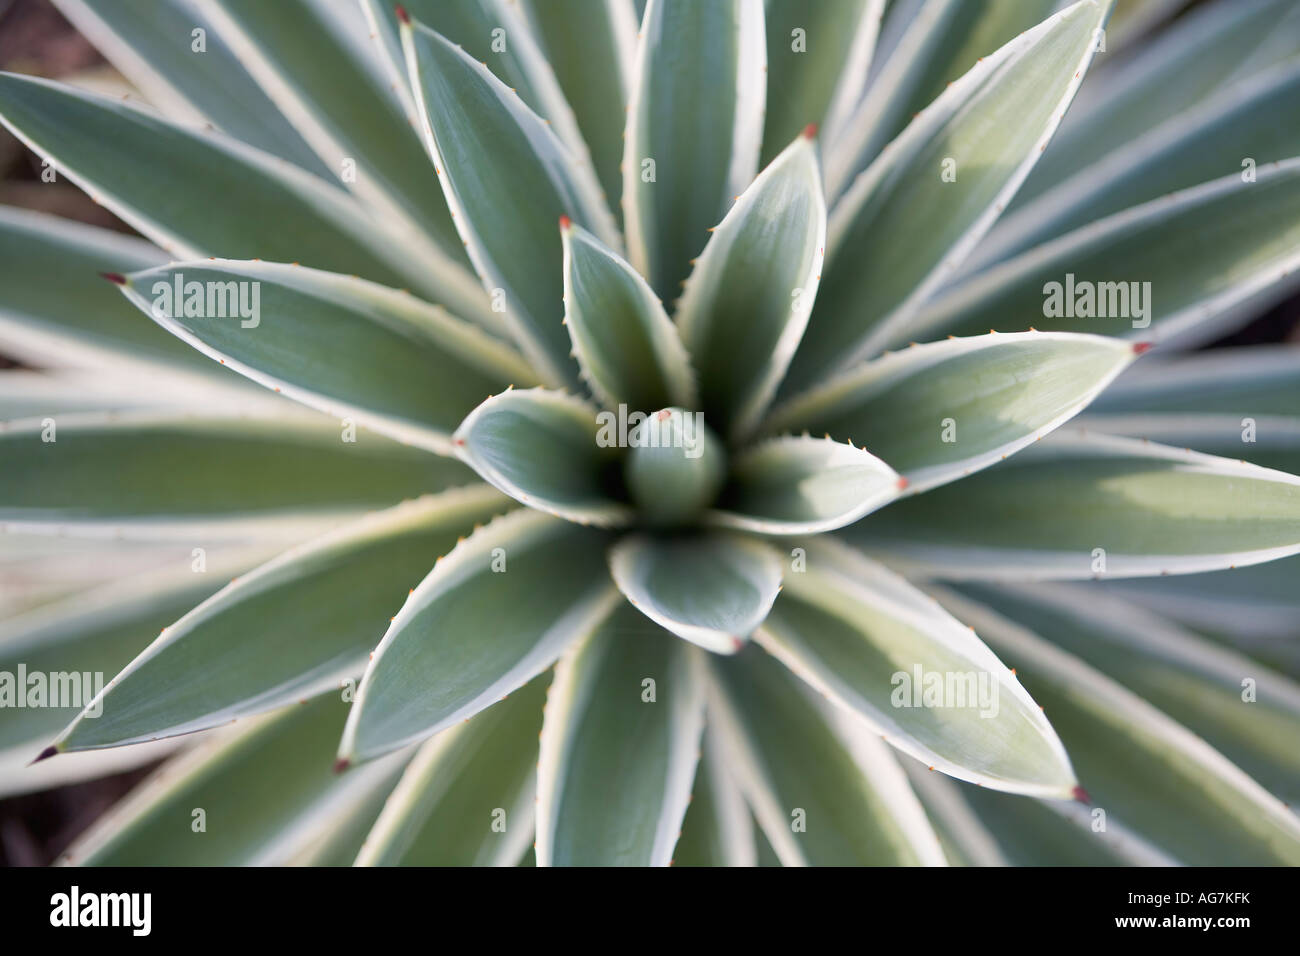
(323, 79)
(95, 630)
(694, 124)
(747, 300)
(55, 309)
(794, 768)
(158, 467)
(266, 789)
(803, 485)
(1202, 251)
(491, 615)
(145, 169)
(466, 798)
(151, 43)
(818, 56)
(941, 41)
(940, 411)
(1245, 381)
(1149, 771)
(953, 169)
(1215, 46)
(412, 372)
(626, 345)
(1082, 505)
(712, 590)
(718, 829)
(874, 644)
(1201, 144)
(616, 768)
(277, 634)
(1194, 681)
(542, 449)
(594, 68)
(489, 148)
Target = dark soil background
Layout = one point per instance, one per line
(34, 38)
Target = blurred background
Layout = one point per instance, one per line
(36, 39)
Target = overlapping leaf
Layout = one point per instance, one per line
(619, 746)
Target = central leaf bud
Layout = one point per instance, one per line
(675, 466)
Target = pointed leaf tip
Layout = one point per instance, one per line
(565, 223)
(343, 762)
(1081, 795)
(810, 131)
(45, 754)
(114, 277)
(402, 15)
(1141, 347)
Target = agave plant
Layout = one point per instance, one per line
(536, 372)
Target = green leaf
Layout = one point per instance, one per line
(1243, 380)
(155, 469)
(1200, 144)
(490, 149)
(276, 634)
(872, 643)
(319, 72)
(675, 467)
(54, 307)
(130, 387)
(1163, 271)
(1216, 45)
(718, 829)
(152, 45)
(1197, 683)
(980, 827)
(953, 169)
(964, 837)
(413, 371)
(1266, 440)
(491, 615)
(619, 746)
(712, 590)
(266, 791)
(625, 344)
(818, 74)
(90, 632)
(144, 168)
(1255, 609)
(940, 411)
(942, 40)
(823, 789)
(803, 485)
(546, 450)
(594, 69)
(501, 38)
(466, 799)
(1149, 772)
(694, 125)
(1082, 505)
(747, 302)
